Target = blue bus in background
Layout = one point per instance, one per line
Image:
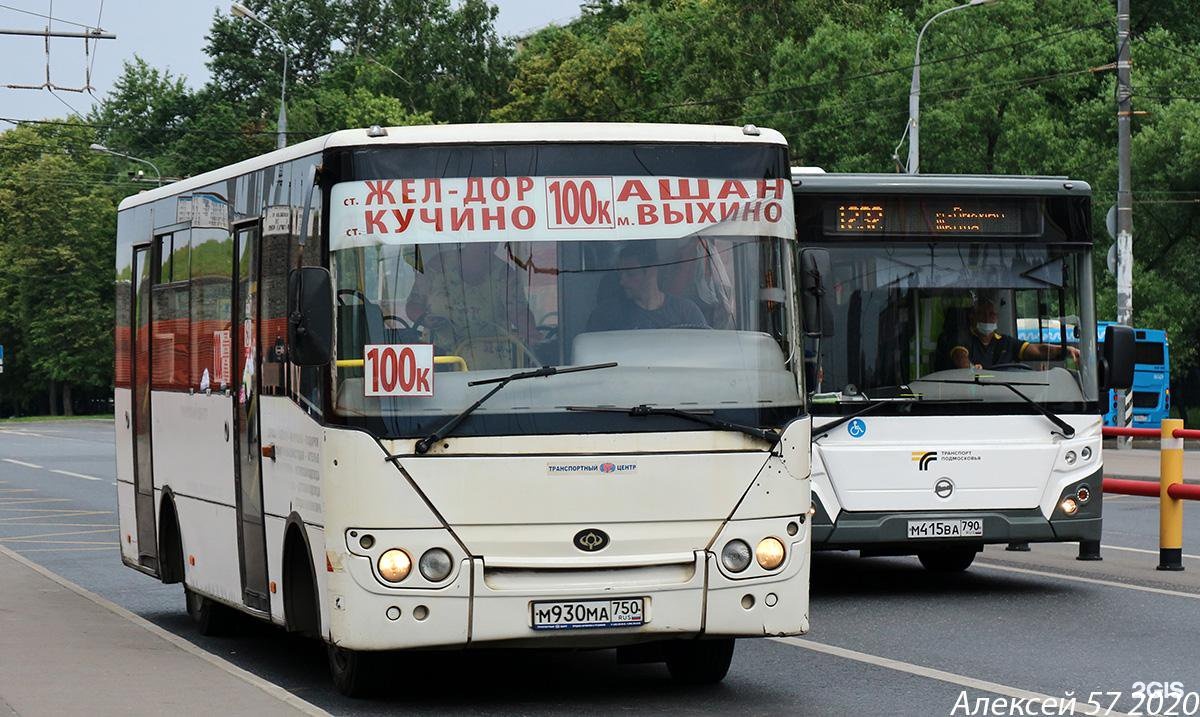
(1152, 370)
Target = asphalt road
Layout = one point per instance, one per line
(887, 638)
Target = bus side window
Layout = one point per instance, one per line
(212, 292)
(272, 302)
(169, 332)
(305, 384)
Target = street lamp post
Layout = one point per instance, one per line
(914, 93)
(240, 10)
(96, 147)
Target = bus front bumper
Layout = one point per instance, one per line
(493, 607)
(881, 532)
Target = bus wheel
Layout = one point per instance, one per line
(700, 662)
(210, 616)
(351, 670)
(953, 560)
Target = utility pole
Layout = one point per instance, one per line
(1124, 201)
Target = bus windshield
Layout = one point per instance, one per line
(695, 315)
(934, 321)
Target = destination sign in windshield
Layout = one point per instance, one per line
(932, 216)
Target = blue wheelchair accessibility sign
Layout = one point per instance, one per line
(857, 428)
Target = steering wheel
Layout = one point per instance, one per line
(1017, 365)
(433, 321)
(351, 292)
(403, 324)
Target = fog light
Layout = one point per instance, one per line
(436, 565)
(394, 565)
(1070, 458)
(736, 556)
(1069, 506)
(1084, 494)
(1086, 453)
(367, 541)
(769, 553)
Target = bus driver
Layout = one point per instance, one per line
(642, 303)
(985, 348)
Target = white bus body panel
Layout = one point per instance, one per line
(995, 462)
(292, 487)
(509, 520)
(126, 518)
(194, 459)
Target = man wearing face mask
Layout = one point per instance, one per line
(984, 347)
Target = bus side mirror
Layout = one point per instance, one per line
(1118, 357)
(310, 316)
(814, 268)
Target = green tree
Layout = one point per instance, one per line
(58, 217)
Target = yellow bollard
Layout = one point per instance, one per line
(1170, 510)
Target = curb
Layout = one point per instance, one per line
(246, 676)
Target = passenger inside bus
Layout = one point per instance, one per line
(641, 303)
(981, 346)
(473, 304)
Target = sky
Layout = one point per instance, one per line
(166, 33)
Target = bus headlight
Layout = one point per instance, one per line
(435, 565)
(735, 556)
(394, 565)
(769, 553)
(1069, 505)
(1086, 453)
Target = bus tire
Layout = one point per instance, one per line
(952, 560)
(352, 671)
(700, 662)
(211, 617)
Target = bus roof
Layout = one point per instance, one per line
(940, 184)
(524, 132)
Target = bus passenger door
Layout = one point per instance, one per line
(247, 465)
(143, 466)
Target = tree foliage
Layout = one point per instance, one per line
(58, 219)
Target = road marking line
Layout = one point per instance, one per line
(11, 432)
(249, 677)
(1142, 550)
(65, 550)
(932, 673)
(74, 525)
(22, 501)
(56, 535)
(17, 490)
(16, 462)
(1093, 581)
(58, 542)
(73, 475)
(55, 513)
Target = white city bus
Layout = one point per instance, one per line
(501, 385)
(936, 428)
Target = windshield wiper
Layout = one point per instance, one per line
(704, 417)
(427, 442)
(1068, 431)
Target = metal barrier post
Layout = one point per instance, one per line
(1170, 510)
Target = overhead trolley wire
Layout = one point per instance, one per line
(51, 17)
